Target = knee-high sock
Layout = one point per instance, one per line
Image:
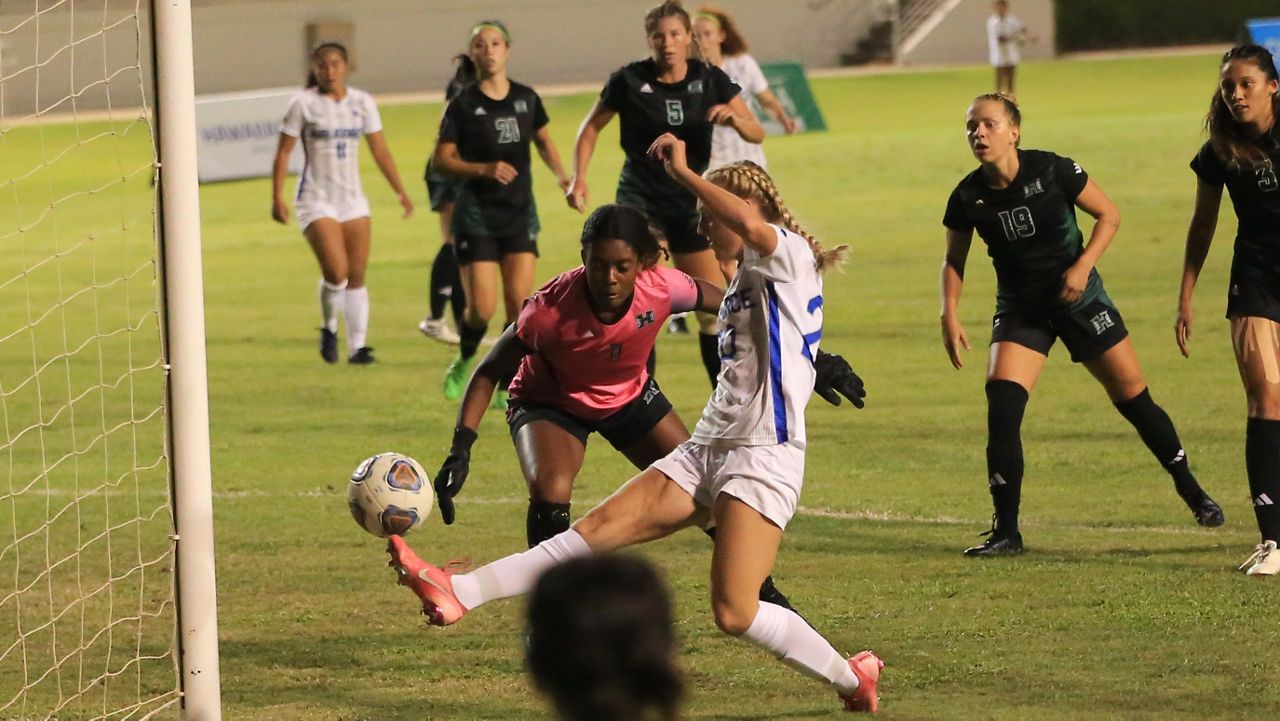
(1157, 432)
(709, 345)
(1006, 402)
(357, 311)
(471, 336)
(787, 636)
(516, 574)
(1262, 463)
(444, 271)
(330, 303)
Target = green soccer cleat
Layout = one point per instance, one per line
(500, 400)
(455, 378)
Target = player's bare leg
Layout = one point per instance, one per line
(746, 546)
(324, 235)
(550, 459)
(1256, 342)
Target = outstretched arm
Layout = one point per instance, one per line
(547, 151)
(386, 164)
(279, 169)
(1204, 221)
(583, 148)
(738, 116)
(724, 207)
(953, 335)
(501, 362)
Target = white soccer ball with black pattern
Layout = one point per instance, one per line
(389, 494)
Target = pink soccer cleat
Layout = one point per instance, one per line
(866, 666)
(433, 584)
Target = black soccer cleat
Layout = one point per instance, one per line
(362, 357)
(1207, 513)
(328, 345)
(997, 544)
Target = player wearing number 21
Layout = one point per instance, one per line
(1022, 203)
(330, 117)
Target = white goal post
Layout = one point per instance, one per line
(108, 604)
(178, 230)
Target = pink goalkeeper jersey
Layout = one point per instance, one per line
(581, 365)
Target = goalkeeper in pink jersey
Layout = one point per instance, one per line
(579, 354)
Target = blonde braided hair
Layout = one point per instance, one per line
(747, 180)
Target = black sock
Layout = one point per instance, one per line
(471, 336)
(1157, 431)
(545, 520)
(709, 344)
(444, 272)
(1006, 402)
(769, 593)
(458, 298)
(1262, 462)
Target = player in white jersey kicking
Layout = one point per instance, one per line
(330, 118)
(743, 467)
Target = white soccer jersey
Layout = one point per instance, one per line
(331, 131)
(726, 145)
(770, 323)
(1004, 53)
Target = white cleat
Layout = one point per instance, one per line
(439, 330)
(1265, 560)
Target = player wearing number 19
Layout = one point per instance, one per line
(1022, 203)
(484, 141)
(330, 118)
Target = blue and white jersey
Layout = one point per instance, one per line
(770, 323)
(330, 131)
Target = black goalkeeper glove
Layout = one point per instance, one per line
(454, 471)
(834, 374)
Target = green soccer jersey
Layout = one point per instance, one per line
(1255, 196)
(646, 109)
(486, 131)
(1030, 231)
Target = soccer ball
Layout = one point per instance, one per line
(389, 494)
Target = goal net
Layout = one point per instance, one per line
(87, 535)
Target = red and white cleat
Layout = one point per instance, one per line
(866, 666)
(433, 584)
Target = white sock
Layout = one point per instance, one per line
(330, 303)
(515, 574)
(357, 311)
(782, 632)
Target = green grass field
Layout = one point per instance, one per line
(1122, 609)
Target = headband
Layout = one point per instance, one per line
(712, 17)
(494, 26)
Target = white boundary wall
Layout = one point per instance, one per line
(403, 46)
(961, 36)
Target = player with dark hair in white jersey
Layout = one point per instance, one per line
(742, 469)
(330, 118)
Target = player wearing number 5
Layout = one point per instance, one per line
(330, 118)
(667, 93)
(484, 141)
(1022, 203)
